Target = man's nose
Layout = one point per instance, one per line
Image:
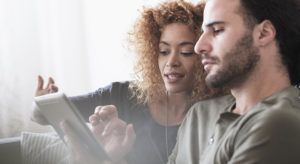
(203, 46)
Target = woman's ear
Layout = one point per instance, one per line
(264, 33)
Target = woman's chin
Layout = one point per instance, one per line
(176, 90)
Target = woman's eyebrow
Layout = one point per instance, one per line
(186, 43)
(163, 42)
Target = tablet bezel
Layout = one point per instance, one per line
(56, 107)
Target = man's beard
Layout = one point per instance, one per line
(237, 64)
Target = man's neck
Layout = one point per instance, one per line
(256, 88)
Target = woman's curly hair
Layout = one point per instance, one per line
(148, 86)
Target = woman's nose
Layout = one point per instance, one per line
(173, 60)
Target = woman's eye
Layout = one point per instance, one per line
(163, 53)
(187, 53)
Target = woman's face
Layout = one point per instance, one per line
(176, 58)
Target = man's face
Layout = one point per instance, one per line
(226, 45)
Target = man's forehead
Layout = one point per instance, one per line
(220, 11)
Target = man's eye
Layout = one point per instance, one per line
(217, 31)
(163, 53)
(187, 53)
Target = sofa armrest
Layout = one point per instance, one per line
(10, 150)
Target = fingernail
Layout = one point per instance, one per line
(104, 133)
(93, 122)
(62, 124)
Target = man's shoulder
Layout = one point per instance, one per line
(275, 115)
(284, 106)
(286, 115)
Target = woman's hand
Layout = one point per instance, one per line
(36, 115)
(50, 88)
(115, 135)
(78, 154)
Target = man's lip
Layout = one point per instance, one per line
(207, 64)
(206, 61)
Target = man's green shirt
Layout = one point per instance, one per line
(269, 133)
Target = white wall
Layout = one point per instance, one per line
(80, 43)
(106, 24)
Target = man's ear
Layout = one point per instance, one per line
(264, 33)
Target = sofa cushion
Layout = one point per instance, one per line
(46, 148)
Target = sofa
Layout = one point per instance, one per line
(33, 148)
(10, 150)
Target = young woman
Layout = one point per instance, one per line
(169, 79)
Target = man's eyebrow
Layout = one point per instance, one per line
(213, 23)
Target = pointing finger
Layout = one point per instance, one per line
(94, 119)
(116, 125)
(130, 136)
(108, 112)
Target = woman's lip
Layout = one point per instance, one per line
(173, 77)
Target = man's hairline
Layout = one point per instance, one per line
(248, 20)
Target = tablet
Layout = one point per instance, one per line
(56, 107)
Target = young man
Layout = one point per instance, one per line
(251, 47)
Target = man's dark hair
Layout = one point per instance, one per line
(285, 16)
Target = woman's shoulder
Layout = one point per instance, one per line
(115, 88)
(120, 95)
(117, 85)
